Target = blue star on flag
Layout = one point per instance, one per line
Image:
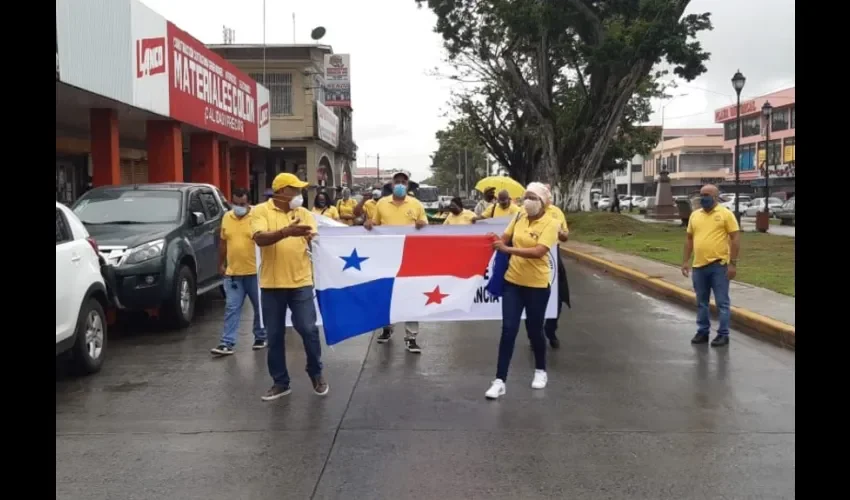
(353, 260)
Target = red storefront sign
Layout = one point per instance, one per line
(208, 92)
(730, 112)
(150, 56)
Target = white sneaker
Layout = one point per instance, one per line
(497, 388)
(540, 379)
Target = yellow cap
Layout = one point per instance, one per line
(285, 179)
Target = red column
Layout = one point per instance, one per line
(224, 165)
(106, 166)
(203, 151)
(241, 167)
(165, 151)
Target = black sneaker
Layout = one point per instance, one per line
(276, 392)
(320, 387)
(720, 341)
(222, 350)
(554, 342)
(700, 338)
(385, 335)
(259, 344)
(412, 346)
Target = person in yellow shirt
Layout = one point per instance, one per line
(714, 240)
(238, 265)
(322, 206)
(400, 210)
(501, 208)
(527, 240)
(458, 215)
(551, 325)
(366, 207)
(345, 207)
(283, 228)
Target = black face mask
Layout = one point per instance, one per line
(320, 203)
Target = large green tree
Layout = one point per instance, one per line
(458, 151)
(571, 69)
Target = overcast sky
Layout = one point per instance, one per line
(398, 106)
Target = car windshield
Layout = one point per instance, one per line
(426, 194)
(113, 206)
(789, 203)
(775, 201)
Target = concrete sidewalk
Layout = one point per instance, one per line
(766, 311)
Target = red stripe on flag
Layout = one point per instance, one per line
(462, 256)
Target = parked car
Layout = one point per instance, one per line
(757, 205)
(81, 295)
(743, 201)
(160, 243)
(604, 203)
(444, 202)
(787, 214)
(643, 202)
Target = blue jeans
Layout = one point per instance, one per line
(707, 279)
(236, 288)
(515, 298)
(300, 302)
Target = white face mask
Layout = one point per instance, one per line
(532, 207)
(296, 202)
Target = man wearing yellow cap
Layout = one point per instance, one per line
(283, 228)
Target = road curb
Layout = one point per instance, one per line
(777, 330)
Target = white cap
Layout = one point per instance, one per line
(403, 172)
(376, 192)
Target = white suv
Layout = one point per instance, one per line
(81, 294)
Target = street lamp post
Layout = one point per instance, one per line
(738, 81)
(763, 220)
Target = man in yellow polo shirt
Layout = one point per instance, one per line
(283, 228)
(238, 264)
(400, 210)
(501, 208)
(366, 207)
(714, 239)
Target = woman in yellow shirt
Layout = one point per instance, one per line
(527, 241)
(322, 206)
(345, 207)
(458, 215)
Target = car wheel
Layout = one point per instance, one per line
(181, 306)
(90, 345)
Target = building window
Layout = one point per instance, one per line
(779, 120)
(730, 130)
(793, 116)
(746, 157)
(774, 153)
(751, 126)
(790, 150)
(280, 92)
(672, 164)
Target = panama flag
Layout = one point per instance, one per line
(367, 282)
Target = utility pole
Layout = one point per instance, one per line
(459, 174)
(378, 171)
(465, 170)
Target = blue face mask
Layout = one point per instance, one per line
(399, 190)
(707, 202)
(239, 211)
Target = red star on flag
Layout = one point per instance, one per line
(435, 297)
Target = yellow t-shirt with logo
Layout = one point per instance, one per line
(710, 231)
(522, 271)
(327, 212)
(369, 209)
(496, 210)
(388, 213)
(346, 207)
(464, 217)
(285, 264)
(236, 232)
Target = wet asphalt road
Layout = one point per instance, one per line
(632, 411)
